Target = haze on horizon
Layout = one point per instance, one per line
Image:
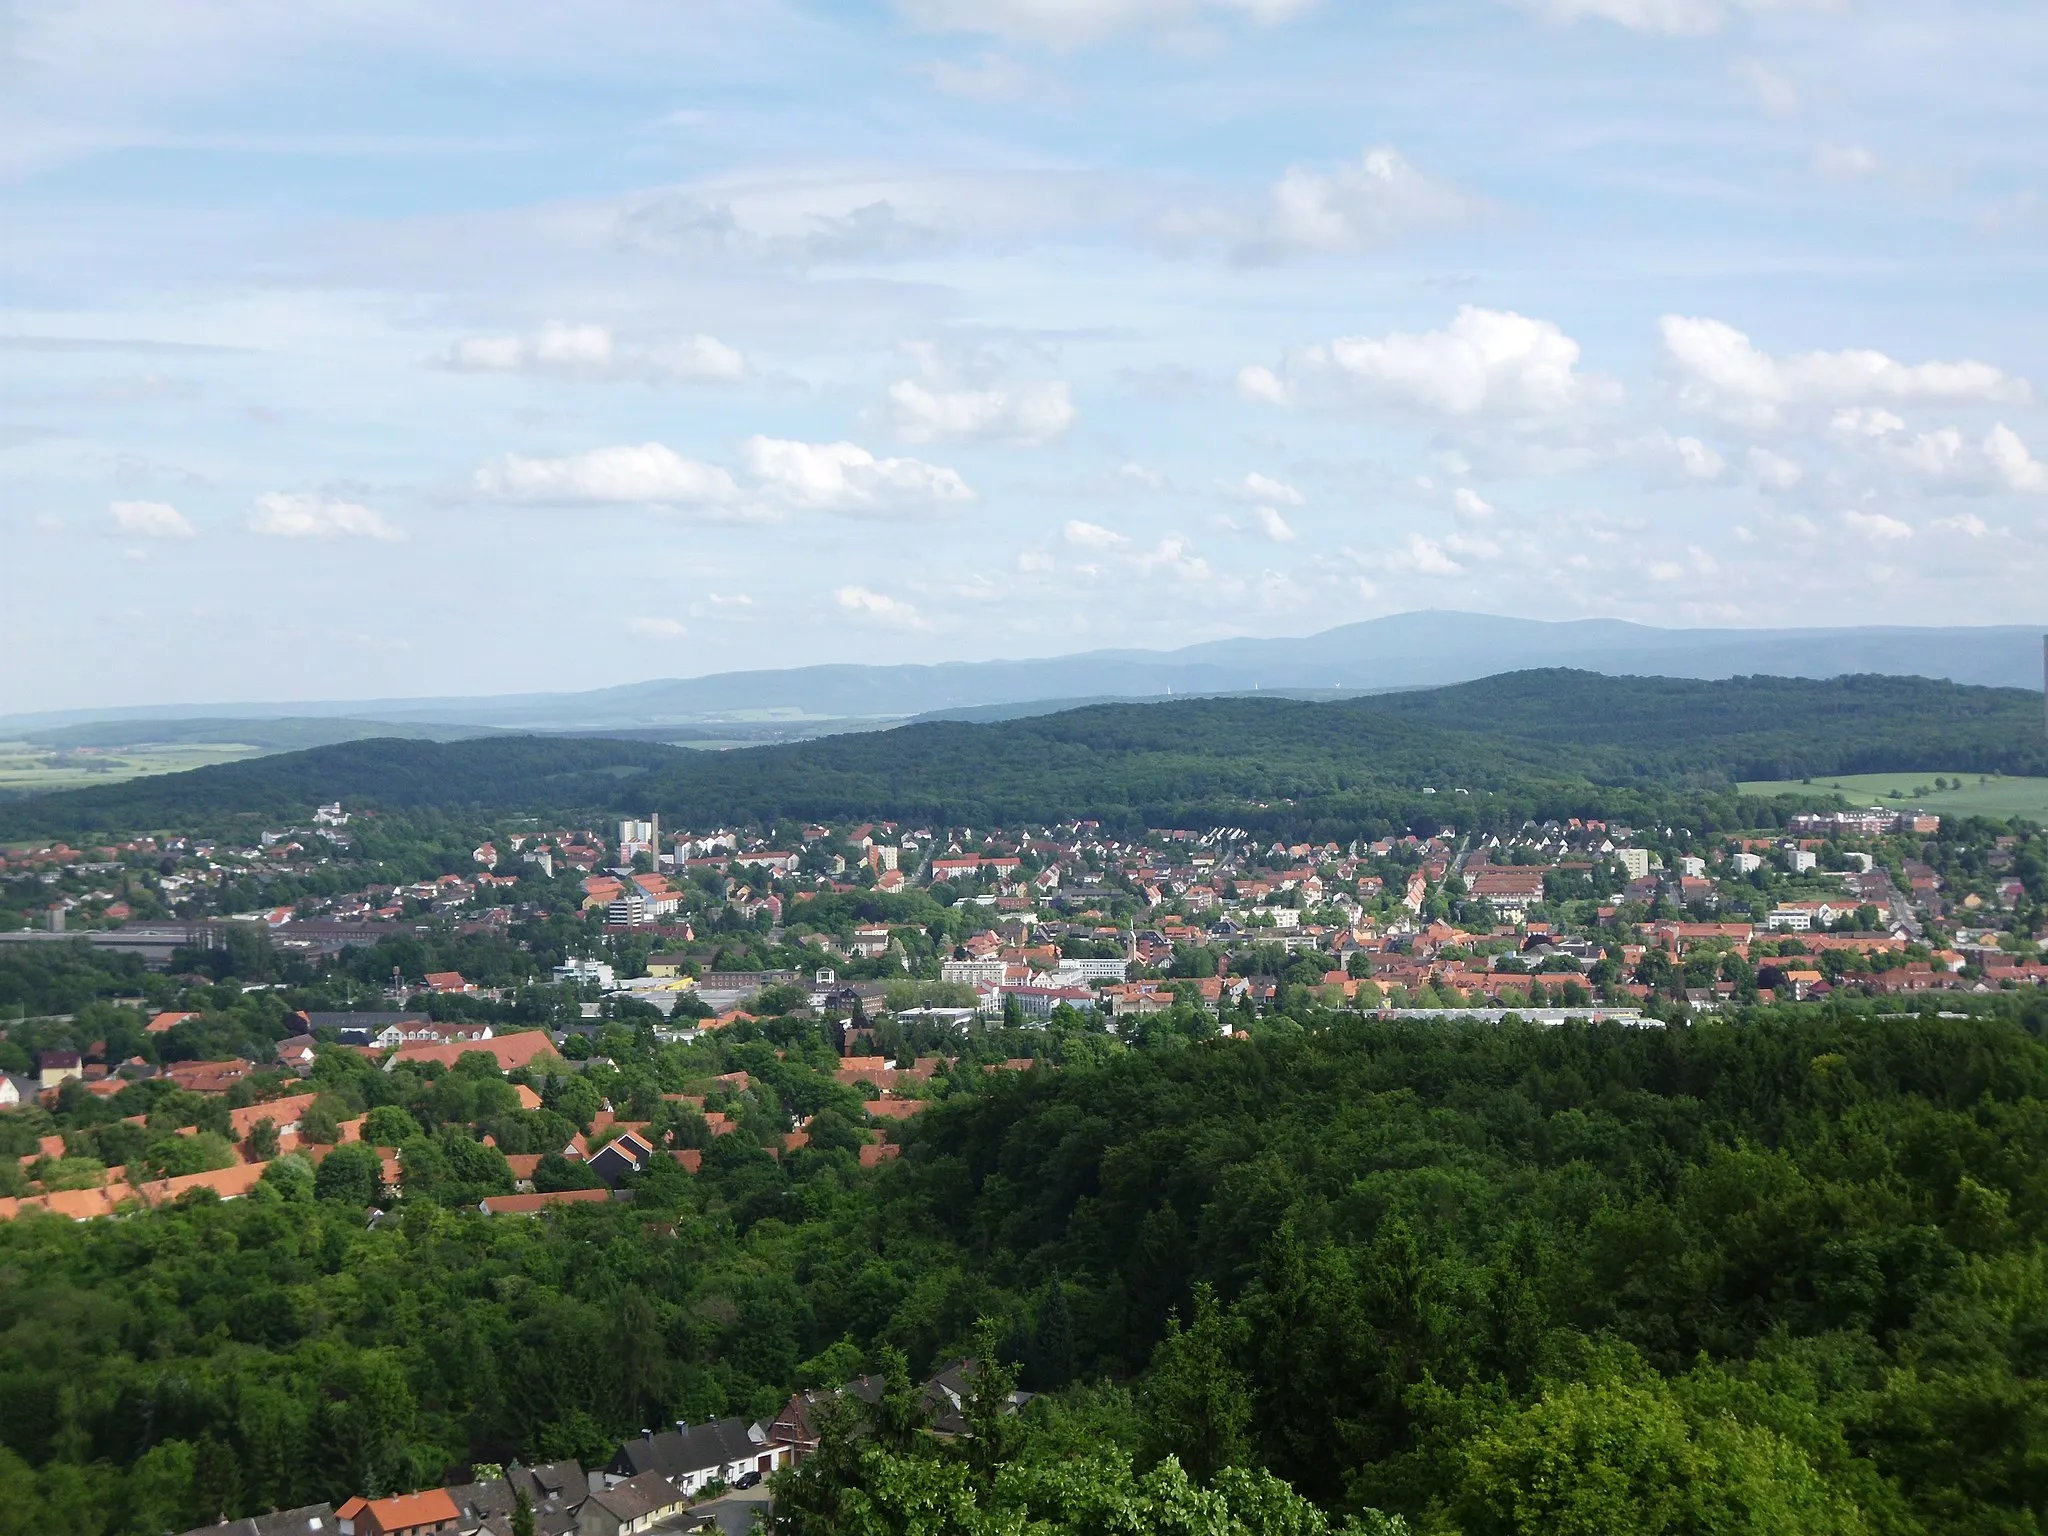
(473, 349)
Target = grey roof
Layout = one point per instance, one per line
(678, 1453)
(638, 1496)
(310, 1520)
(556, 1489)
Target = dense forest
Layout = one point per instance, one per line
(1547, 743)
(1786, 1272)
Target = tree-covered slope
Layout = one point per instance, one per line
(1525, 743)
(495, 772)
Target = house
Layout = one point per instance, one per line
(946, 1394)
(408, 1514)
(297, 1053)
(448, 983)
(669, 966)
(629, 1507)
(509, 1051)
(165, 1022)
(208, 1076)
(533, 1205)
(693, 1455)
(556, 1491)
(799, 1426)
(54, 1067)
(630, 1153)
(310, 1520)
(1513, 890)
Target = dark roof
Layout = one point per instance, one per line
(638, 1496)
(677, 1453)
(57, 1059)
(310, 1520)
(557, 1490)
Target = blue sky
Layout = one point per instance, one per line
(370, 349)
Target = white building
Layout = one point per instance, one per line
(577, 973)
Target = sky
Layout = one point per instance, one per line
(385, 349)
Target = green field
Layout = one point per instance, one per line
(1979, 796)
(25, 766)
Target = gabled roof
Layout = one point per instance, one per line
(680, 1453)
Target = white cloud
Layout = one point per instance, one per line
(1261, 385)
(1424, 557)
(728, 599)
(151, 520)
(1773, 92)
(1258, 487)
(1485, 362)
(1673, 18)
(1967, 524)
(656, 629)
(1075, 23)
(1173, 556)
(1843, 162)
(2009, 456)
(1027, 414)
(1688, 456)
(988, 77)
(1359, 205)
(704, 358)
(1719, 368)
(1773, 471)
(648, 472)
(300, 516)
(590, 352)
(881, 607)
(1093, 536)
(1469, 503)
(1274, 526)
(2000, 461)
(1877, 527)
(844, 477)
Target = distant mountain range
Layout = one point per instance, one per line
(1407, 650)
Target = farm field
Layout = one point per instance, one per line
(1979, 795)
(26, 767)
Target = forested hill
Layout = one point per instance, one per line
(1542, 742)
(389, 772)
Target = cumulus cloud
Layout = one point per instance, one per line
(1423, 557)
(1093, 536)
(779, 473)
(881, 607)
(2009, 456)
(1773, 92)
(1258, 487)
(1173, 556)
(990, 76)
(1470, 504)
(1076, 23)
(1945, 457)
(150, 520)
(1877, 527)
(1026, 414)
(648, 472)
(656, 628)
(1687, 457)
(590, 352)
(1773, 471)
(1359, 205)
(1719, 368)
(1672, 18)
(846, 478)
(1273, 525)
(1843, 162)
(291, 515)
(1485, 362)
(1968, 524)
